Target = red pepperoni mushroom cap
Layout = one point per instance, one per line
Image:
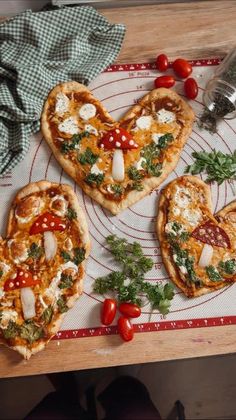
(23, 278)
(118, 138)
(46, 222)
(212, 234)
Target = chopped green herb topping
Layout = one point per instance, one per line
(177, 233)
(62, 306)
(69, 145)
(150, 152)
(134, 174)
(77, 255)
(88, 157)
(165, 140)
(11, 331)
(134, 266)
(35, 251)
(30, 332)
(93, 179)
(182, 259)
(213, 273)
(1, 273)
(228, 267)
(66, 281)
(137, 185)
(117, 189)
(66, 256)
(71, 214)
(47, 315)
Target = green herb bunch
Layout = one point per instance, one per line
(219, 166)
(129, 283)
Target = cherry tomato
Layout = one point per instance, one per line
(164, 81)
(182, 68)
(191, 88)
(125, 328)
(108, 311)
(162, 62)
(130, 310)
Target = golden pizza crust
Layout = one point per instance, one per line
(186, 116)
(81, 222)
(189, 290)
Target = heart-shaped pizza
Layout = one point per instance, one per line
(41, 265)
(198, 248)
(116, 163)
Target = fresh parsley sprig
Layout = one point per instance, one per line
(219, 166)
(129, 283)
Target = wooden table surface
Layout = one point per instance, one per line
(193, 30)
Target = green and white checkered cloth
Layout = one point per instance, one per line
(38, 51)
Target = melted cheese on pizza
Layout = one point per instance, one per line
(28, 254)
(78, 122)
(187, 210)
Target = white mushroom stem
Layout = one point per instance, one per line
(50, 245)
(118, 166)
(206, 256)
(28, 302)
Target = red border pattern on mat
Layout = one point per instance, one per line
(150, 326)
(148, 66)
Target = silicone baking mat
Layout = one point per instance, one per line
(119, 88)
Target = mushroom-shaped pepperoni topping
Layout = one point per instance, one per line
(23, 278)
(211, 234)
(118, 139)
(46, 222)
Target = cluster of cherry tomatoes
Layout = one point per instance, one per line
(127, 310)
(182, 69)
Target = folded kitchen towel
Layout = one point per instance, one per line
(38, 51)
